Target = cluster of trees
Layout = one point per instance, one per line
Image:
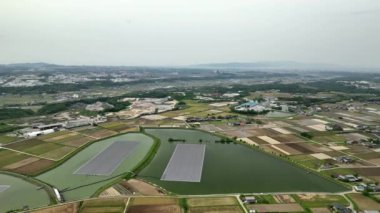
(7, 128)
(9, 113)
(224, 140)
(58, 107)
(306, 135)
(176, 140)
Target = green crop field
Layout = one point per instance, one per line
(74, 186)
(4, 139)
(21, 193)
(8, 157)
(232, 168)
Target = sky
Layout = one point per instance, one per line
(183, 32)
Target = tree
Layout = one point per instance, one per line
(306, 135)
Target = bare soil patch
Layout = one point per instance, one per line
(320, 210)
(293, 207)
(287, 149)
(284, 199)
(364, 203)
(78, 142)
(153, 201)
(212, 201)
(60, 137)
(301, 148)
(102, 133)
(258, 140)
(308, 148)
(141, 187)
(21, 163)
(154, 208)
(58, 153)
(287, 138)
(66, 208)
(216, 209)
(368, 171)
(108, 209)
(34, 167)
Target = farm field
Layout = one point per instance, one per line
(97, 132)
(118, 126)
(50, 147)
(287, 207)
(153, 204)
(76, 186)
(319, 201)
(222, 209)
(363, 202)
(66, 208)
(102, 205)
(4, 139)
(213, 204)
(20, 193)
(244, 169)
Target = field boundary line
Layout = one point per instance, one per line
(241, 204)
(126, 205)
(80, 133)
(25, 153)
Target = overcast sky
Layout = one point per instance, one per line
(180, 32)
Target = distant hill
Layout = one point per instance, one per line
(283, 65)
(256, 66)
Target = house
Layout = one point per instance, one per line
(339, 208)
(362, 127)
(349, 178)
(249, 199)
(361, 187)
(333, 127)
(344, 159)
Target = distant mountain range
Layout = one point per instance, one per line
(284, 65)
(258, 66)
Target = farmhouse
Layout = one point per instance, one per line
(333, 127)
(349, 178)
(251, 106)
(338, 208)
(344, 159)
(249, 199)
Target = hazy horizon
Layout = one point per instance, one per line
(178, 33)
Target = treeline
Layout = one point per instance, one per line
(7, 128)
(312, 101)
(11, 113)
(8, 113)
(58, 107)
